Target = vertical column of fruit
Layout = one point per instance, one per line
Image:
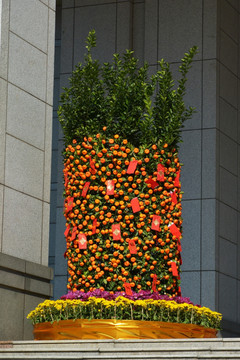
(123, 216)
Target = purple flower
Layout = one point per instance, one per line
(141, 295)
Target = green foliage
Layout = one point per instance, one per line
(126, 88)
(83, 109)
(119, 95)
(169, 110)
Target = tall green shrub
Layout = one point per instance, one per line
(119, 95)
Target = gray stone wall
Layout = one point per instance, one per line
(157, 29)
(26, 90)
(57, 224)
(228, 164)
(23, 285)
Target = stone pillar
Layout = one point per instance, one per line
(26, 89)
(228, 165)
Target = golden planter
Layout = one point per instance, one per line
(118, 329)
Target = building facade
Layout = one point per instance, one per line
(210, 151)
(26, 91)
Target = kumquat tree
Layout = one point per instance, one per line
(122, 204)
(122, 174)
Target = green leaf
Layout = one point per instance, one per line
(121, 96)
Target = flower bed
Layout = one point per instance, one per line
(122, 308)
(104, 315)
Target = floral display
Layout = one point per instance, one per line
(125, 309)
(122, 194)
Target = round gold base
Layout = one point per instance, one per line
(119, 329)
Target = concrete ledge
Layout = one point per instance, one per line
(23, 285)
(122, 349)
(25, 276)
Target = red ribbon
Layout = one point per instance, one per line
(174, 268)
(69, 204)
(175, 231)
(128, 289)
(67, 230)
(85, 188)
(92, 165)
(153, 183)
(154, 283)
(176, 181)
(74, 233)
(94, 226)
(173, 197)
(160, 172)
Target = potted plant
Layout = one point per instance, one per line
(123, 205)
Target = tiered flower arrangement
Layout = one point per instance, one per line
(123, 194)
(103, 305)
